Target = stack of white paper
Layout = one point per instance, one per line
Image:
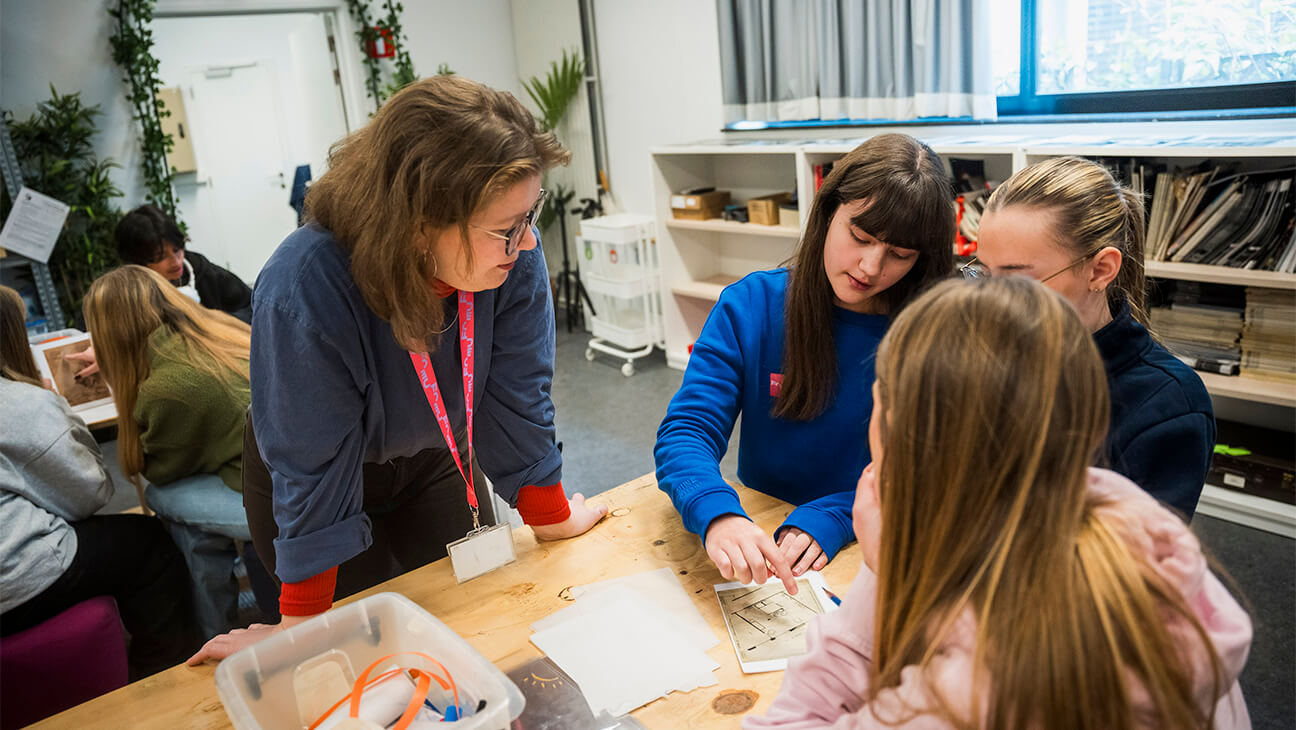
(626, 647)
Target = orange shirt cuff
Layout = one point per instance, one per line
(543, 505)
(308, 597)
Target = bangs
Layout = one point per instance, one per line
(912, 214)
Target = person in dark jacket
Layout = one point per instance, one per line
(149, 237)
(1067, 222)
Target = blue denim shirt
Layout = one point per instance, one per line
(332, 390)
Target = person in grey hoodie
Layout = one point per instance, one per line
(55, 552)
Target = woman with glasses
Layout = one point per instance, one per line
(792, 351)
(416, 280)
(1068, 223)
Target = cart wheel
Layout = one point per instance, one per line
(627, 369)
(589, 354)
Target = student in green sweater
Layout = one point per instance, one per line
(179, 378)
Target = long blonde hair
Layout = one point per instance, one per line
(1091, 210)
(434, 155)
(123, 308)
(995, 403)
(16, 361)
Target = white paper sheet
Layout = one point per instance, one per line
(659, 588)
(623, 653)
(33, 225)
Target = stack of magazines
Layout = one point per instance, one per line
(1269, 337)
(1201, 325)
(1202, 216)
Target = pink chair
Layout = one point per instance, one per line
(64, 661)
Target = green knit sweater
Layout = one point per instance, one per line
(190, 422)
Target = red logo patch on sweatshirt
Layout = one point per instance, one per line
(776, 384)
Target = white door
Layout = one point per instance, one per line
(261, 98)
(240, 212)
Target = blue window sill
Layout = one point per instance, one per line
(1178, 116)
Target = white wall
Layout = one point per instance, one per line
(660, 67)
(542, 30)
(65, 43)
(475, 38)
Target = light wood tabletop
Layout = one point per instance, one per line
(494, 613)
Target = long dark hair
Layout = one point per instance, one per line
(910, 204)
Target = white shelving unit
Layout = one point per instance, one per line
(700, 258)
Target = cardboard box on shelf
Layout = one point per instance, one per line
(699, 206)
(765, 209)
(789, 216)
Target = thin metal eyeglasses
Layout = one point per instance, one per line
(974, 269)
(513, 237)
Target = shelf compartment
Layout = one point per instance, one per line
(707, 289)
(746, 229)
(1221, 275)
(1247, 509)
(1249, 389)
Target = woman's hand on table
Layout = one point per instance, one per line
(802, 551)
(741, 550)
(226, 644)
(583, 516)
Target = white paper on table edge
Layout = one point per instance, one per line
(816, 581)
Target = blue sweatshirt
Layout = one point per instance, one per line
(1162, 424)
(814, 464)
(332, 390)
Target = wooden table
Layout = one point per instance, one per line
(494, 613)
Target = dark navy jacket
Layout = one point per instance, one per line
(332, 390)
(1162, 423)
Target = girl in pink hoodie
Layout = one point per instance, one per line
(1006, 583)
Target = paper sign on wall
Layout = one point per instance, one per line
(33, 225)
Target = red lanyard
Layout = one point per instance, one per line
(427, 378)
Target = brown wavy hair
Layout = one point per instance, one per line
(911, 204)
(123, 308)
(434, 155)
(16, 361)
(1091, 211)
(994, 402)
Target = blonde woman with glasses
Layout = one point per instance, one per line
(1069, 224)
(402, 336)
(1011, 586)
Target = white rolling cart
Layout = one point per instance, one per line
(621, 272)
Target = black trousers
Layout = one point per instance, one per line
(417, 505)
(132, 559)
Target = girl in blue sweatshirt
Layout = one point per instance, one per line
(792, 351)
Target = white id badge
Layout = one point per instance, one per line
(481, 551)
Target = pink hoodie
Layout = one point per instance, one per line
(824, 687)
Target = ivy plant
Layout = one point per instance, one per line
(132, 50)
(388, 27)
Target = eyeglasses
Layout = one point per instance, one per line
(974, 269)
(513, 237)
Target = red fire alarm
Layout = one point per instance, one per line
(382, 46)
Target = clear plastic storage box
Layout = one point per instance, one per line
(257, 684)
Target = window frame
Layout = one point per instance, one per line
(1270, 95)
